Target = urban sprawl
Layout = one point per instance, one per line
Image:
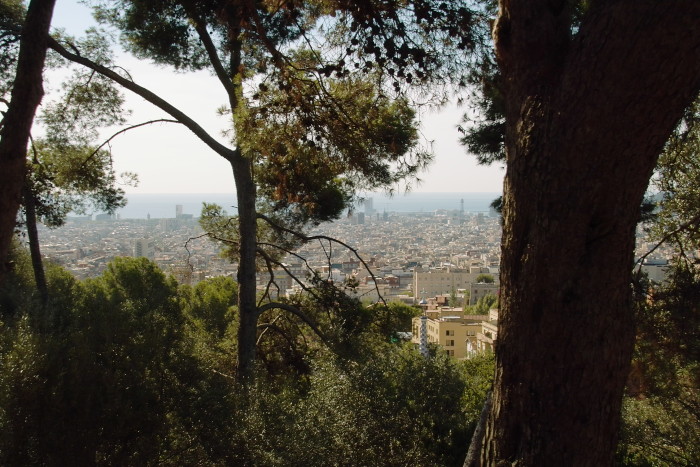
(444, 261)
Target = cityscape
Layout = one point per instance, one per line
(443, 261)
(378, 233)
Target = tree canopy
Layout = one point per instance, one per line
(318, 99)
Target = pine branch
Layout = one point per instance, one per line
(684, 226)
(124, 130)
(298, 313)
(214, 59)
(267, 257)
(225, 152)
(307, 238)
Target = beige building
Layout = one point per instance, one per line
(144, 247)
(439, 281)
(461, 336)
(480, 290)
(486, 338)
(452, 333)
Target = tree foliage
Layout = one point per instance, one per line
(661, 411)
(678, 218)
(662, 408)
(484, 278)
(135, 369)
(311, 92)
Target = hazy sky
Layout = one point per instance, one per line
(169, 159)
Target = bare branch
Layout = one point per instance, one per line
(329, 255)
(267, 257)
(228, 241)
(124, 130)
(270, 282)
(274, 320)
(684, 226)
(279, 330)
(307, 238)
(35, 153)
(222, 374)
(279, 58)
(297, 312)
(189, 253)
(289, 252)
(225, 152)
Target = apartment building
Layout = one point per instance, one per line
(486, 338)
(452, 333)
(461, 336)
(479, 290)
(439, 281)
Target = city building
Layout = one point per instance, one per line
(455, 334)
(479, 290)
(144, 247)
(369, 207)
(486, 337)
(428, 282)
(459, 335)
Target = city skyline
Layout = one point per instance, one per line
(169, 159)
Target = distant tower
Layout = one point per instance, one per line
(423, 346)
(369, 206)
(461, 208)
(148, 216)
(178, 211)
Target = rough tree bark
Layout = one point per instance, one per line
(587, 116)
(27, 93)
(247, 306)
(34, 247)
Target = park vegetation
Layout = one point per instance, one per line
(134, 369)
(578, 98)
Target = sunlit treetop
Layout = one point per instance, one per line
(412, 42)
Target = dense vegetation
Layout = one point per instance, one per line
(661, 412)
(132, 369)
(579, 150)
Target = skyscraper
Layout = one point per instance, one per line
(369, 206)
(144, 247)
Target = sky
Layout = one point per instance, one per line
(169, 159)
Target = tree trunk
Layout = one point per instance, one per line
(14, 134)
(34, 249)
(586, 119)
(247, 305)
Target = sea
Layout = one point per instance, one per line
(163, 205)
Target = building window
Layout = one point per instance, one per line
(450, 343)
(450, 332)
